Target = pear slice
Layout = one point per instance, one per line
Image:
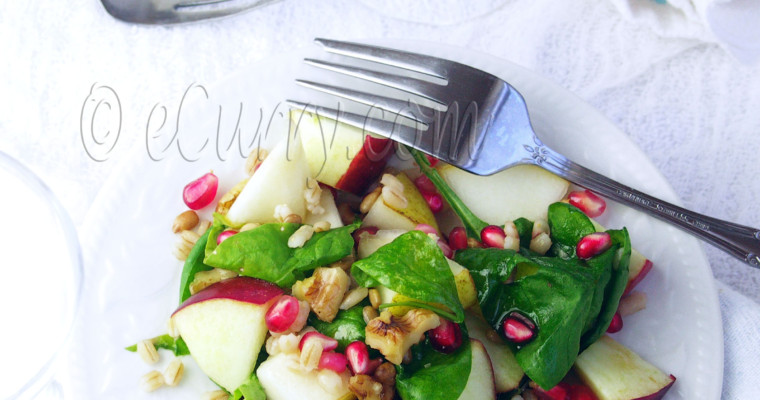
(283, 379)
(480, 384)
(522, 191)
(507, 372)
(386, 216)
(281, 179)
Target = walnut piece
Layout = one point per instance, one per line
(324, 291)
(393, 336)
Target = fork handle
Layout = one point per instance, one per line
(742, 242)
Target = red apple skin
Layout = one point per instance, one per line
(366, 165)
(639, 277)
(241, 288)
(660, 393)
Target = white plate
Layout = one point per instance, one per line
(132, 278)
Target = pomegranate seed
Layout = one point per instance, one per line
(447, 337)
(358, 358)
(425, 185)
(518, 329)
(332, 361)
(328, 343)
(588, 202)
(593, 244)
(371, 230)
(435, 201)
(224, 235)
(458, 238)
(558, 392)
(446, 249)
(493, 236)
(616, 324)
(282, 313)
(426, 228)
(580, 392)
(432, 160)
(200, 192)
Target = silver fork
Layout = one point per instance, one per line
(486, 128)
(162, 12)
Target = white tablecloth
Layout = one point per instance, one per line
(687, 102)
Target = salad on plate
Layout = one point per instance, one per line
(340, 271)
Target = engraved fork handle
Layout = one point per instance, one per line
(742, 242)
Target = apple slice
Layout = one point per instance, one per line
(522, 191)
(283, 379)
(637, 270)
(330, 214)
(281, 179)
(614, 372)
(224, 328)
(385, 216)
(638, 267)
(506, 371)
(480, 384)
(340, 155)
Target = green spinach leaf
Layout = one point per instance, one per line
(193, 264)
(472, 224)
(567, 225)
(414, 266)
(263, 252)
(176, 346)
(525, 231)
(324, 248)
(250, 390)
(259, 253)
(434, 375)
(562, 297)
(619, 255)
(348, 326)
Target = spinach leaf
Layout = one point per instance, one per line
(259, 253)
(250, 390)
(348, 326)
(414, 266)
(567, 225)
(525, 231)
(620, 255)
(558, 302)
(193, 265)
(176, 346)
(571, 301)
(472, 224)
(434, 375)
(489, 268)
(324, 248)
(263, 252)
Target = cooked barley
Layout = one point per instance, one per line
(147, 351)
(173, 372)
(151, 381)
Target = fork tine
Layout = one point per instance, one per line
(428, 65)
(415, 112)
(397, 132)
(418, 87)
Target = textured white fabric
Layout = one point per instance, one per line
(731, 23)
(741, 324)
(688, 103)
